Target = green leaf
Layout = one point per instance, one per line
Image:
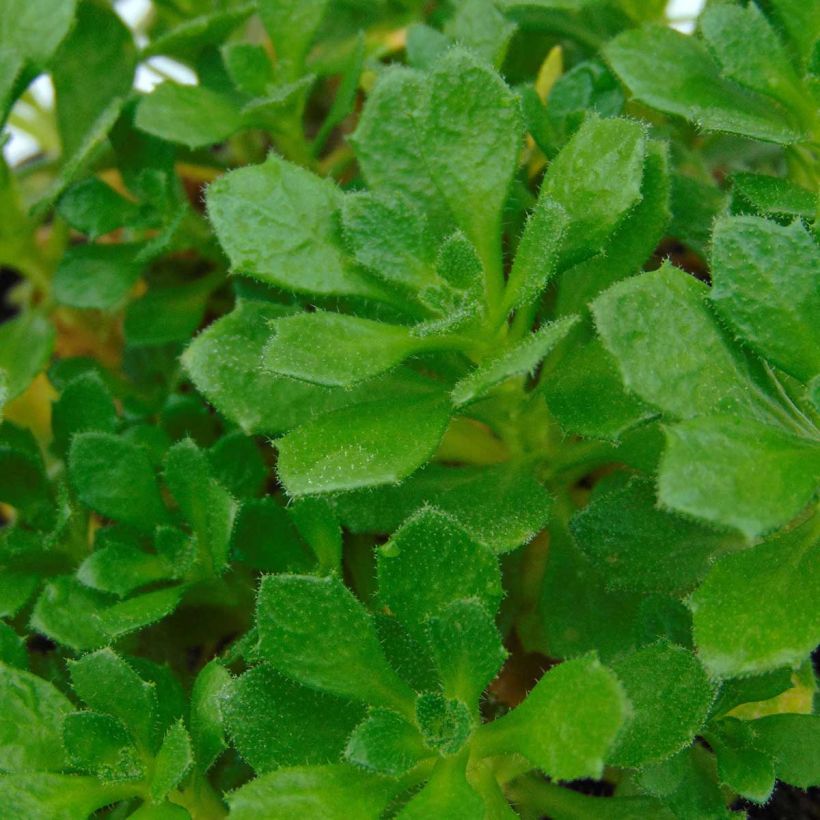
(334, 349)
(13, 651)
(740, 765)
(205, 504)
(101, 46)
(41, 796)
(23, 479)
(174, 760)
(388, 235)
(470, 119)
(466, 648)
(207, 721)
(431, 562)
(751, 689)
(316, 522)
(771, 196)
(116, 479)
(801, 21)
(26, 343)
(687, 784)
(98, 744)
(793, 741)
(138, 612)
(676, 74)
(34, 28)
(30, 729)
(385, 743)
(482, 28)
(192, 115)
(107, 684)
(316, 632)
(499, 506)
(586, 394)
(773, 307)
(641, 546)
(446, 794)
(567, 724)
(277, 223)
(167, 314)
(576, 612)
(259, 703)
(386, 145)
(121, 568)
(521, 359)
(668, 347)
(633, 242)
(93, 207)
(68, 613)
(336, 792)
(445, 723)
(96, 276)
(377, 442)
(728, 31)
(596, 179)
(292, 25)
(189, 37)
(84, 404)
(265, 538)
(737, 473)
(537, 254)
(258, 401)
(237, 464)
(756, 609)
(670, 695)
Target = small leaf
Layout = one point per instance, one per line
(740, 765)
(84, 404)
(737, 473)
(207, 732)
(596, 179)
(675, 73)
(756, 609)
(260, 702)
(446, 794)
(377, 442)
(793, 741)
(670, 695)
(335, 350)
(500, 506)
(519, 360)
(277, 223)
(431, 562)
(641, 546)
(121, 569)
(313, 630)
(26, 343)
(193, 115)
(445, 723)
(30, 729)
(385, 743)
(107, 684)
(205, 504)
(467, 649)
(337, 792)
(668, 348)
(173, 761)
(536, 258)
(116, 479)
(567, 724)
(98, 744)
(470, 119)
(224, 362)
(773, 307)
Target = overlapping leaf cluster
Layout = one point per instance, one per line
(418, 413)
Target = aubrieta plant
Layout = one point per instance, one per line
(415, 417)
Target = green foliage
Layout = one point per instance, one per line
(415, 410)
